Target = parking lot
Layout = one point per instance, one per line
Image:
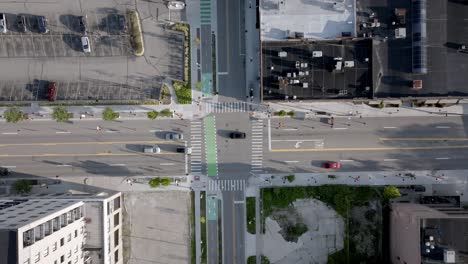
(30, 60)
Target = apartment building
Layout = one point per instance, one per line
(61, 228)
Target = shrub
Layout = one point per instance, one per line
(14, 115)
(166, 113)
(109, 115)
(153, 114)
(202, 220)
(60, 114)
(391, 192)
(198, 85)
(136, 33)
(281, 113)
(158, 181)
(291, 113)
(183, 92)
(22, 186)
(165, 181)
(381, 105)
(290, 178)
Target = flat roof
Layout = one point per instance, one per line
(324, 19)
(446, 25)
(289, 68)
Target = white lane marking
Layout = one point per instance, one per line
(390, 159)
(442, 158)
(63, 165)
(340, 128)
(8, 167)
(10, 133)
(290, 129)
(346, 160)
(166, 164)
(291, 161)
(155, 130)
(112, 131)
(390, 127)
(62, 132)
(295, 140)
(442, 127)
(117, 165)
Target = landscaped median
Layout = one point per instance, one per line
(136, 33)
(183, 92)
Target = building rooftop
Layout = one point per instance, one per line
(17, 213)
(316, 19)
(317, 69)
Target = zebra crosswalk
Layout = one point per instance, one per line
(196, 142)
(227, 107)
(226, 185)
(257, 145)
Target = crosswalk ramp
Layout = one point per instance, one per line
(226, 185)
(257, 145)
(196, 142)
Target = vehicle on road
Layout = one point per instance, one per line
(51, 91)
(151, 149)
(4, 171)
(21, 23)
(82, 24)
(3, 24)
(176, 5)
(186, 150)
(174, 136)
(42, 24)
(237, 134)
(85, 44)
(331, 165)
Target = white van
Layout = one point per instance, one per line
(152, 149)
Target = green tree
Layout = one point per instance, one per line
(166, 112)
(155, 182)
(281, 113)
(291, 113)
(290, 178)
(391, 192)
(14, 115)
(22, 186)
(61, 114)
(109, 115)
(153, 114)
(165, 181)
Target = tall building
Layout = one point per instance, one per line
(61, 228)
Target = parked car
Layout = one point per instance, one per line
(331, 165)
(85, 44)
(151, 149)
(174, 136)
(4, 171)
(237, 134)
(21, 23)
(51, 91)
(42, 24)
(176, 5)
(82, 24)
(3, 24)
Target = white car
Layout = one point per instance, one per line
(176, 5)
(85, 44)
(3, 26)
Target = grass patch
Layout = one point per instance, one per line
(290, 178)
(11, 104)
(183, 92)
(136, 33)
(250, 208)
(203, 226)
(253, 260)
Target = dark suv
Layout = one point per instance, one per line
(237, 134)
(82, 24)
(4, 171)
(42, 24)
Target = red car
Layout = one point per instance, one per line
(51, 91)
(331, 165)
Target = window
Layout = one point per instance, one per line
(116, 255)
(62, 259)
(62, 241)
(37, 257)
(117, 203)
(116, 238)
(26, 261)
(69, 254)
(116, 219)
(46, 252)
(81, 230)
(76, 249)
(76, 232)
(69, 237)
(76, 259)
(54, 246)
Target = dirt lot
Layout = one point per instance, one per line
(156, 227)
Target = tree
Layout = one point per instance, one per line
(153, 114)
(14, 115)
(165, 181)
(60, 114)
(391, 192)
(281, 113)
(291, 113)
(109, 115)
(166, 113)
(22, 186)
(158, 181)
(290, 178)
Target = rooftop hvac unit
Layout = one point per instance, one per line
(317, 54)
(449, 256)
(282, 54)
(349, 64)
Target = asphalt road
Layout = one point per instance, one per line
(367, 144)
(49, 148)
(231, 50)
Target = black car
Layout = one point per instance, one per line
(42, 24)
(4, 171)
(237, 135)
(21, 23)
(82, 24)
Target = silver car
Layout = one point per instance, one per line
(152, 149)
(3, 25)
(174, 136)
